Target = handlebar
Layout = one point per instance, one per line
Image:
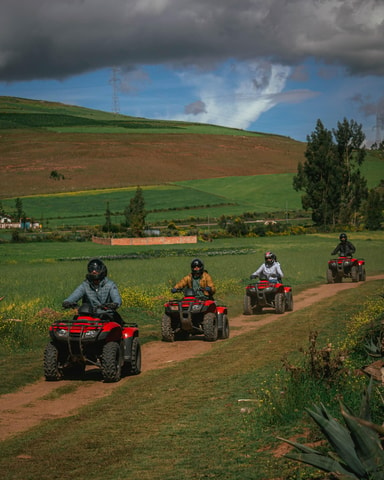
(90, 308)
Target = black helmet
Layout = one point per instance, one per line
(197, 267)
(269, 258)
(96, 270)
(343, 236)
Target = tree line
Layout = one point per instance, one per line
(335, 190)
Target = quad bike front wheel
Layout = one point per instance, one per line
(51, 363)
(135, 364)
(224, 326)
(280, 303)
(355, 274)
(111, 362)
(247, 308)
(210, 327)
(363, 275)
(289, 302)
(167, 333)
(330, 277)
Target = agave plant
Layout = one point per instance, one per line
(357, 449)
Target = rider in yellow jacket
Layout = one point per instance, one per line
(199, 280)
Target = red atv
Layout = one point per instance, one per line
(264, 293)
(92, 337)
(193, 316)
(346, 267)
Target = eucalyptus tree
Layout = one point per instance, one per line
(330, 176)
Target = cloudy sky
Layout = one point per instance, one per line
(263, 65)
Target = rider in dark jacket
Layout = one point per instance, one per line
(344, 248)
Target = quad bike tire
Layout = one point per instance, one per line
(167, 333)
(247, 307)
(135, 363)
(51, 363)
(210, 327)
(224, 330)
(289, 302)
(330, 277)
(280, 303)
(363, 275)
(355, 274)
(111, 362)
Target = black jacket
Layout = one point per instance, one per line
(345, 249)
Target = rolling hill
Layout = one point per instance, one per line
(90, 149)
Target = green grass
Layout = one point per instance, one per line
(39, 276)
(185, 420)
(18, 113)
(204, 199)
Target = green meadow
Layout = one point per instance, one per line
(187, 200)
(184, 420)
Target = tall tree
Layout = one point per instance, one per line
(330, 176)
(317, 177)
(350, 156)
(136, 213)
(108, 221)
(19, 212)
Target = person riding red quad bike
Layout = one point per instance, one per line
(192, 315)
(265, 293)
(269, 291)
(346, 267)
(92, 337)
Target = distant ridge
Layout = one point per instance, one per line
(95, 149)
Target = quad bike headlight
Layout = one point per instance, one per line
(62, 333)
(174, 307)
(90, 334)
(196, 308)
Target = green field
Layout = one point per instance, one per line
(146, 427)
(205, 198)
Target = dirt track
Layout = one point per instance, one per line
(29, 406)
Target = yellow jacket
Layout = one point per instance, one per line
(205, 281)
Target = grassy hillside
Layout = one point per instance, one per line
(186, 170)
(94, 149)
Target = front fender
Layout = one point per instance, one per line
(111, 332)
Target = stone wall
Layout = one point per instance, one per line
(145, 240)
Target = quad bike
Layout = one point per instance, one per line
(346, 267)
(191, 315)
(264, 293)
(92, 337)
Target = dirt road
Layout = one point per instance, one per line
(34, 403)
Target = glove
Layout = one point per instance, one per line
(67, 305)
(173, 290)
(253, 276)
(110, 306)
(208, 289)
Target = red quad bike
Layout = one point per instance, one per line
(346, 267)
(92, 337)
(193, 316)
(264, 293)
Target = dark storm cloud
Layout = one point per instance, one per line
(195, 108)
(59, 38)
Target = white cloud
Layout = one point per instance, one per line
(238, 94)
